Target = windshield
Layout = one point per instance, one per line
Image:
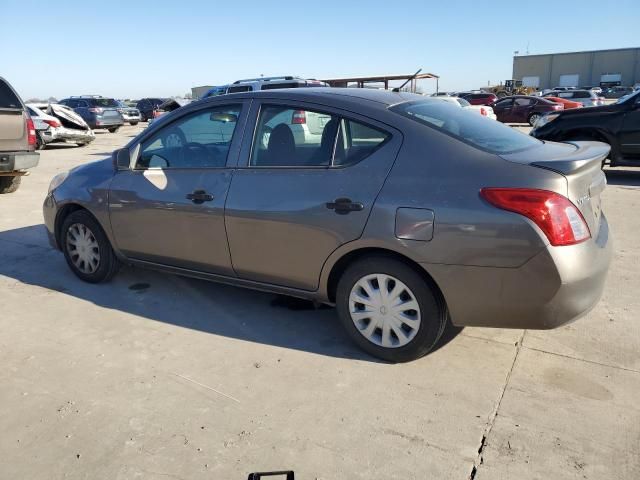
(476, 130)
(627, 97)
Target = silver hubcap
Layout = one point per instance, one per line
(384, 310)
(83, 248)
(173, 140)
(534, 119)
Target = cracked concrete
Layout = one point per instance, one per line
(156, 376)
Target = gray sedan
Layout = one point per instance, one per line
(407, 213)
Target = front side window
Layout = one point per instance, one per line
(239, 89)
(476, 130)
(504, 103)
(199, 140)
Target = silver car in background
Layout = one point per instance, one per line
(588, 98)
(407, 213)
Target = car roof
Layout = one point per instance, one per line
(318, 94)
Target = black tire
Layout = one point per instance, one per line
(108, 263)
(10, 184)
(133, 124)
(40, 145)
(433, 311)
(113, 129)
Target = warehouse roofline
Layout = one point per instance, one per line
(573, 53)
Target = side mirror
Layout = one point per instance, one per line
(121, 159)
(223, 117)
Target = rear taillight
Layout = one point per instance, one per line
(53, 123)
(31, 132)
(157, 113)
(557, 217)
(96, 110)
(558, 106)
(483, 112)
(299, 117)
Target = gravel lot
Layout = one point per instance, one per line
(155, 376)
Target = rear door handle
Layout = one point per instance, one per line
(199, 196)
(342, 206)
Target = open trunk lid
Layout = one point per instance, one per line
(68, 117)
(581, 164)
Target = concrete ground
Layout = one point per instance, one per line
(155, 376)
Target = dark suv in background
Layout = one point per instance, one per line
(97, 111)
(149, 107)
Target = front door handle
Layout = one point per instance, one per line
(342, 206)
(199, 197)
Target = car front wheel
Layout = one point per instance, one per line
(389, 309)
(114, 129)
(87, 249)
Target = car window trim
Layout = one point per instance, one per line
(319, 108)
(135, 148)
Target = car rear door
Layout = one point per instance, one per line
(168, 208)
(13, 131)
(292, 201)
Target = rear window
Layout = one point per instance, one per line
(581, 94)
(103, 102)
(480, 132)
(8, 99)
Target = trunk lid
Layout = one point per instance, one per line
(581, 164)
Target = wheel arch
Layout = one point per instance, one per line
(340, 266)
(63, 213)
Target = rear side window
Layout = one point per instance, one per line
(273, 86)
(8, 99)
(480, 132)
(239, 88)
(523, 102)
(583, 94)
(290, 137)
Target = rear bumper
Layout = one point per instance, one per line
(70, 135)
(557, 286)
(12, 161)
(107, 123)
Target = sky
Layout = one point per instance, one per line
(140, 48)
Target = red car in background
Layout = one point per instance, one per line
(567, 103)
(523, 109)
(479, 98)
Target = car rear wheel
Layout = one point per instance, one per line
(389, 309)
(113, 129)
(533, 118)
(133, 123)
(10, 184)
(87, 249)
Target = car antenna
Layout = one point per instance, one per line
(397, 89)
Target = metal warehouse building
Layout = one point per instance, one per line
(575, 69)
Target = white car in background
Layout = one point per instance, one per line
(58, 123)
(462, 103)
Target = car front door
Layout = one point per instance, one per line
(502, 109)
(168, 208)
(295, 197)
(630, 133)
